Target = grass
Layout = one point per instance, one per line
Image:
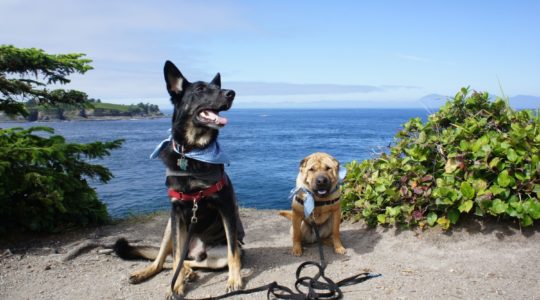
(111, 106)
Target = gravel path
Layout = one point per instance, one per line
(476, 261)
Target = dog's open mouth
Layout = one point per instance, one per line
(321, 192)
(211, 117)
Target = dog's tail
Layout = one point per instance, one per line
(124, 250)
(286, 213)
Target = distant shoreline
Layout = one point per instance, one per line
(91, 119)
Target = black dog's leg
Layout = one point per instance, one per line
(228, 215)
(157, 265)
(179, 236)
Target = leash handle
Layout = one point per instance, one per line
(315, 287)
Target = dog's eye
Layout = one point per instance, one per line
(328, 168)
(311, 169)
(200, 88)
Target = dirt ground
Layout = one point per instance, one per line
(475, 261)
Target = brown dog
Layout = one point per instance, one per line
(318, 178)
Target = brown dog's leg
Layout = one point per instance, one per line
(297, 233)
(336, 220)
(157, 265)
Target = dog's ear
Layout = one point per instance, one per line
(176, 82)
(303, 163)
(216, 80)
(336, 161)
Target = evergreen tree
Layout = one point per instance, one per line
(43, 178)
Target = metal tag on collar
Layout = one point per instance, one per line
(182, 161)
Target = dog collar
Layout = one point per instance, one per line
(309, 203)
(319, 203)
(195, 197)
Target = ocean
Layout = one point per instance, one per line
(265, 147)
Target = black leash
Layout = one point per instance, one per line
(319, 286)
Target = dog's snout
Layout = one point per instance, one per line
(229, 94)
(321, 180)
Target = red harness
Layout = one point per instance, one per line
(195, 197)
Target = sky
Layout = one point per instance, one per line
(289, 53)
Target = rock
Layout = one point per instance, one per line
(6, 253)
(105, 251)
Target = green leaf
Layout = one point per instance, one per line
(431, 218)
(453, 216)
(504, 179)
(494, 162)
(498, 206)
(526, 221)
(381, 218)
(393, 211)
(464, 145)
(451, 165)
(443, 222)
(479, 211)
(511, 155)
(380, 188)
(467, 190)
(496, 190)
(536, 189)
(480, 186)
(534, 210)
(466, 206)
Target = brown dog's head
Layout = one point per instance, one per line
(319, 172)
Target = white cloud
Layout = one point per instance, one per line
(128, 41)
(281, 88)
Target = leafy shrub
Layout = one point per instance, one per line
(472, 156)
(43, 183)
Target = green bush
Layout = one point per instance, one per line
(472, 156)
(43, 184)
(43, 179)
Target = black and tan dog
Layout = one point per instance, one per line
(319, 179)
(195, 174)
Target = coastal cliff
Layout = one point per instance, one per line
(96, 111)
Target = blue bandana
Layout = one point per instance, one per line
(309, 201)
(212, 154)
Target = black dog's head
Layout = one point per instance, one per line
(196, 120)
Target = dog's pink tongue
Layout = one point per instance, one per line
(217, 118)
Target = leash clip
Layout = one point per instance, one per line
(194, 212)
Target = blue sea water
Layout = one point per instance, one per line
(265, 147)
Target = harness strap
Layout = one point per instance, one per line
(218, 186)
(319, 203)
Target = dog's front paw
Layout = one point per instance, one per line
(340, 250)
(188, 274)
(178, 291)
(297, 250)
(192, 276)
(137, 277)
(234, 284)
